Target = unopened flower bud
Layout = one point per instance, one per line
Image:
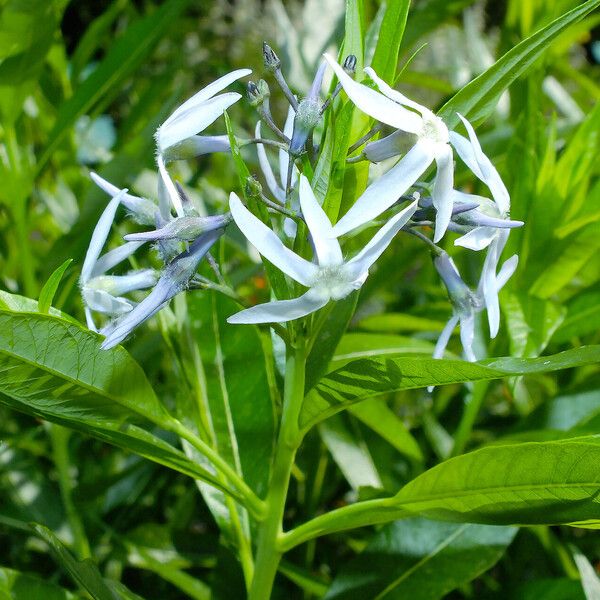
(350, 64)
(254, 96)
(271, 59)
(253, 187)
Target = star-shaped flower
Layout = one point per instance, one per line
(330, 277)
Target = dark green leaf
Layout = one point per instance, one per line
(421, 560)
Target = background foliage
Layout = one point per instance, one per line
(84, 85)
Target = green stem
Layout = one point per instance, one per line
(269, 551)
(59, 437)
(252, 502)
(361, 514)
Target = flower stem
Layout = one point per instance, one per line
(269, 552)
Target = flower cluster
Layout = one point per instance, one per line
(184, 239)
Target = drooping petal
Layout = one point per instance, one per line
(464, 149)
(442, 191)
(197, 145)
(113, 257)
(169, 187)
(174, 279)
(467, 334)
(375, 104)
(193, 120)
(386, 190)
(391, 145)
(99, 236)
(327, 248)
(489, 174)
(506, 271)
(269, 245)
(142, 209)
(442, 343)
(280, 311)
(265, 166)
(89, 319)
(488, 288)
(361, 263)
(393, 94)
(105, 303)
(476, 239)
(284, 157)
(117, 285)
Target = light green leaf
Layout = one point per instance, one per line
(398, 322)
(50, 287)
(368, 378)
(421, 560)
(17, 303)
(583, 317)
(478, 98)
(524, 484)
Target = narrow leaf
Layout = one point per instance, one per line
(49, 290)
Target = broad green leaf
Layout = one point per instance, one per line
(523, 484)
(397, 322)
(327, 338)
(478, 98)
(550, 589)
(582, 318)
(530, 323)
(391, 31)
(16, 303)
(125, 55)
(84, 573)
(350, 452)
(55, 370)
(368, 378)
(421, 560)
(382, 420)
(15, 585)
(50, 287)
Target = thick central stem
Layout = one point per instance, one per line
(268, 553)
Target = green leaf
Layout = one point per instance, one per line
(397, 322)
(15, 585)
(17, 303)
(478, 98)
(531, 322)
(50, 287)
(583, 317)
(382, 420)
(84, 573)
(55, 370)
(125, 55)
(328, 337)
(421, 560)
(524, 484)
(391, 32)
(368, 378)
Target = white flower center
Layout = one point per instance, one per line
(332, 282)
(434, 129)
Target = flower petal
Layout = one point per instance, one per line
(265, 167)
(105, 303)
(280, 311)
(168, 186)
(193, 120)
(132, 203)
(467, 335)
(361, 263)
(117, 285)
(440, 346)
(488, 286)
(99, 236)
(327, 248)
(506, 271)
(112, 258)
(269, 245)
(207, 92)
(442, 191)
(375, 104)
(386, 190)
(393, 94)
(476, 239)
(488, 173)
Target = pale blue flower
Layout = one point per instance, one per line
(433, 143)
(329, 278)
(174, 278)
(102, 293)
